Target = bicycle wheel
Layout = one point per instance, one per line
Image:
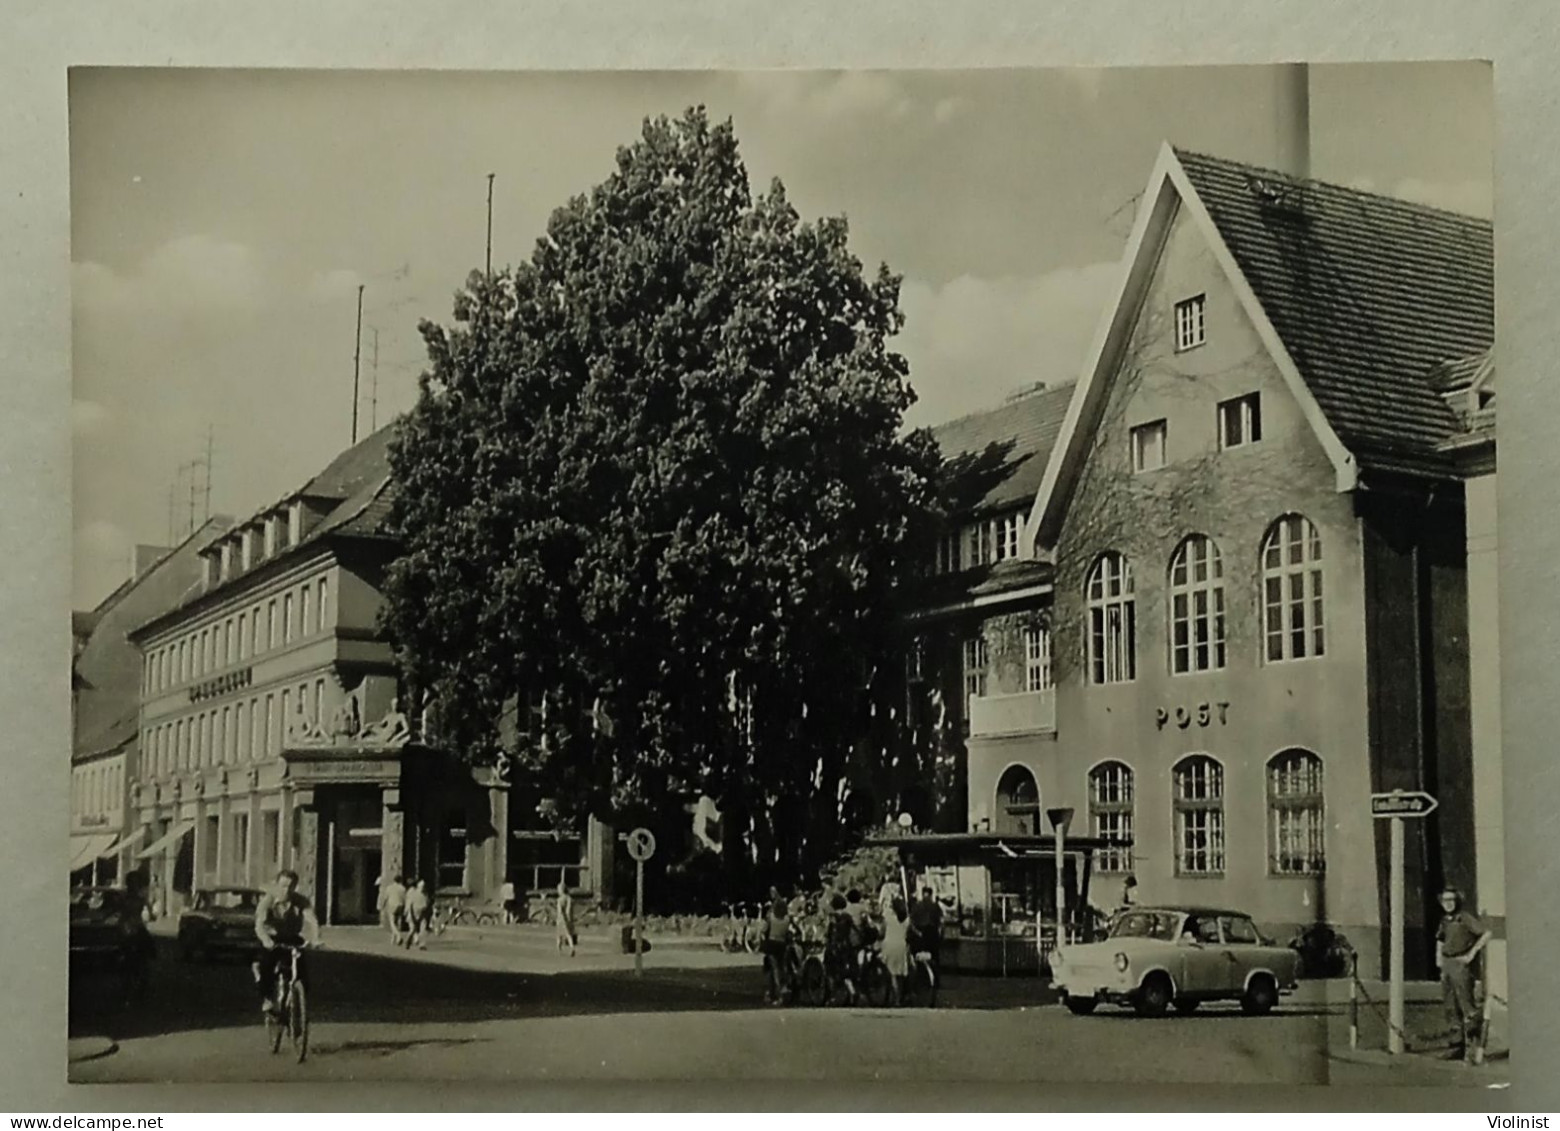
(487, 919)
(275, 1026)
(298, 1021)
(878, 983)
(815, 982)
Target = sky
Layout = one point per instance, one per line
(222, 221)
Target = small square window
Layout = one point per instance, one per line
(1240, 421)
(1148, 446)
(1189, 331)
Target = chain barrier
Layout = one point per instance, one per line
(1475, 1054)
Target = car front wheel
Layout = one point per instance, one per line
(1260, 997)
(1154, 996)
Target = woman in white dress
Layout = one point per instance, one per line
(896, 945)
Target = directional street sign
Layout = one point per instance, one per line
(1399, 803)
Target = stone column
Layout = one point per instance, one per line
(224, 840)
(308, 862)
(498, 854)
(392, 836)
(284, 836)
(252, 874)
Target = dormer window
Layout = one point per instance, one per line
(294, 523)
(270, 535)
(210, 562)
(246, 548)
(227, 560)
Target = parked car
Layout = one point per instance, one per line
(100, 926)
(1158, 958)
(219, 920)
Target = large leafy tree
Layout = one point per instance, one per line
(656, 498)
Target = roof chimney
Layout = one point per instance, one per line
(1292, 119)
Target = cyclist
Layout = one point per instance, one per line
(283, 919)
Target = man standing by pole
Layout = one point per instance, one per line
(1459, 940)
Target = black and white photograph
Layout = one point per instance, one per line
(786, 575)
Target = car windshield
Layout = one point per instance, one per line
(230, 900)
(1146, 925)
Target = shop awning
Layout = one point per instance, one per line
(85, 849)
(173, 836)
(124, 843)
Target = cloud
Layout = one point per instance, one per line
(973, 340)
(948, 109)
(828, 95)
(187, 273)
(1087, 82)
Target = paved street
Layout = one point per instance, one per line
(500, 1004)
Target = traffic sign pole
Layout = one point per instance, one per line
(639, 917)
(1397, 806)
(1395, 989)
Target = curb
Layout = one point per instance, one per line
(79, 1049)
(1482, 1075)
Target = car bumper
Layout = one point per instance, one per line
(1100, 987)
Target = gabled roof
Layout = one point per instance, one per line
(1001, 452)
(1368, 293)
(356, 481)
(1357, 297)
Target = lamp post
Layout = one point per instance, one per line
(1060, 819)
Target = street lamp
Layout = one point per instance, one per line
(1060, 819)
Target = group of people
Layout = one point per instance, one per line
(850, 925)
(406, 912)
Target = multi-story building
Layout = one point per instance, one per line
(105, 698)
(276, 731)
(1261, 607)
(978, 682)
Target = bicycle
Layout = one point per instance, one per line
(289, 1013)
(921, 985)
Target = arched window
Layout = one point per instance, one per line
(1112, 620)
(1296, 814)
(1018, 802)
(1196, 607)
(1199, 817)
(1292, 589)
(1110, 814)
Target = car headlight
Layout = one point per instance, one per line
(1122, 962)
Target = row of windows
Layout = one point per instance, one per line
(227, 736)
(980, 543)
(1296, 815)
(1291, 580)
(97, 790)
(1238, 420)
(254, 544)
(1037, 662)
(300, 612)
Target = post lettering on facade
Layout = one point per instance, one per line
(1203, 714)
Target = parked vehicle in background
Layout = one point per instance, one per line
(108, 938)
(1156, 958)
(219, 921)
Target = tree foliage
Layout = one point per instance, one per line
(657, 484)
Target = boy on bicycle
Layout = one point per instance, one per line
(283, 919)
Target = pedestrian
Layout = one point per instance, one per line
(926, 922)
(773, 937)
(1129, 892)
(506, 895)
(566, 932)
(392, 906)
(889, 892)
(896, 946)
(419, 915)
(1460, 939)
